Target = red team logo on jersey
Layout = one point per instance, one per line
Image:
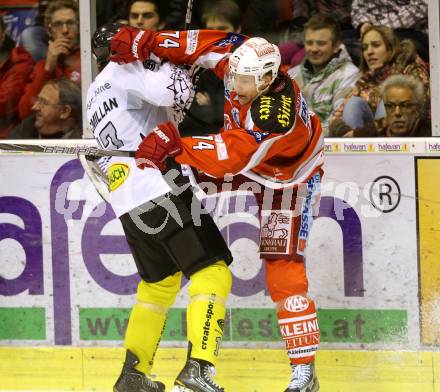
(275, 232)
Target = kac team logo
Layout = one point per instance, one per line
(296, 303)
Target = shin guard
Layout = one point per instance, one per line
(206, 311)
(147, 319)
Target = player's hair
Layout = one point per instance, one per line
(390, 39)
(223, 9)
(59, 5)
(324, 21)
(2, 23)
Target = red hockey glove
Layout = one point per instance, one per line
(162, 142)
(130, 44)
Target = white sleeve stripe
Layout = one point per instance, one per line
(261, 152)
(209, 60)
(249, 123)
(317, 161)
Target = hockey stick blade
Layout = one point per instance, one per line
(66, 150)
(96, 177)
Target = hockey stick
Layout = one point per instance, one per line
(195, 71)
(66, 150)
(96, 177)
(188, 15)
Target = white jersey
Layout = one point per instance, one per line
(124, 103)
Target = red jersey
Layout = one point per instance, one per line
(274, 140)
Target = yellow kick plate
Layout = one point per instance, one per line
(238, 370)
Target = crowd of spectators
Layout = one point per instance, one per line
(383, 55)
(349, 57)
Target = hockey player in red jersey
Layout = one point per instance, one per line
(271, 143)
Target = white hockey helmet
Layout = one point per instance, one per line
(256, 57)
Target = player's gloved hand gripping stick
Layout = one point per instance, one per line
(162, 142)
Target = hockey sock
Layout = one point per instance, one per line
(299, 328)
(206, 311)
(147, 319)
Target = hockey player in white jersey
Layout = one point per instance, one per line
(124, 103)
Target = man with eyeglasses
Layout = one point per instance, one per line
(56, 113)
(63, 54)
(406, 114)
(404, 103)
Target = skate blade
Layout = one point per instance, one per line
(315, 387)
(179, 388)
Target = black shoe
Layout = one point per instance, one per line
(196, 376)
(131, 380)
(304, 378)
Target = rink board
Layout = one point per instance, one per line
(67, 278)
(238, 370)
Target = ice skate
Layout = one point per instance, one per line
(196, 376)
(132, 380)
(304, 379)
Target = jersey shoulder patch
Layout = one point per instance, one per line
(233, 39)
(275, 112)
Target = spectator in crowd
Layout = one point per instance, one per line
(327, 74)
(383, 55)
(57, 113)
(34, 38)
(152, 14)
(408, 19)
(146, 14)
(224, 15)
(340, 10)
(206, 112)
(404, 101)
(63, 53)
(15, 66)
